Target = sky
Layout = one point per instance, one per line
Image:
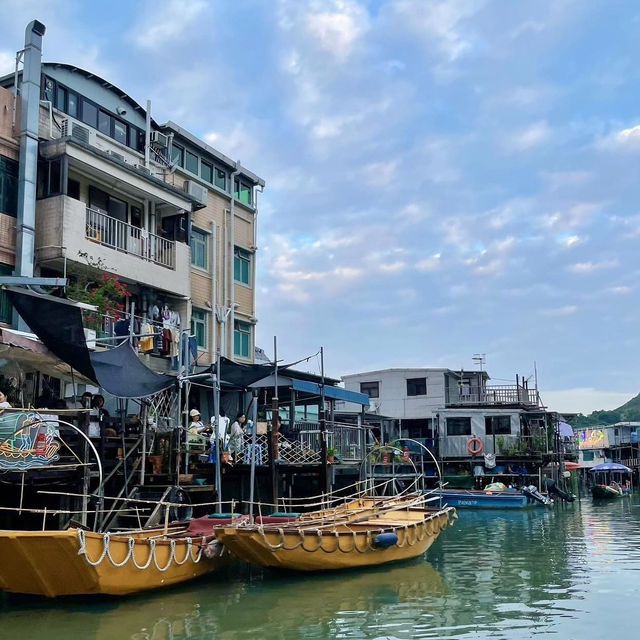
(443, 177)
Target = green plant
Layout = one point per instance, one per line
(331, 451)
(499, 443)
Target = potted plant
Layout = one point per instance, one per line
(331, 454)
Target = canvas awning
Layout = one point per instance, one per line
(58, 324)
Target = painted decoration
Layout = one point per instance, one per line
(27, 439)
(592, 439)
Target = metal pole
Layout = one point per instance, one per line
(218, 440)
(324, 473)
(254, 418)
(273, 439)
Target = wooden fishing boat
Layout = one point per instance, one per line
(608, 491)
(372, 535)
(611, 481)
(79, 562)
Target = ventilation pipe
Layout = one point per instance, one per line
(28, 167)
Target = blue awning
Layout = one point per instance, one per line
(336, 393)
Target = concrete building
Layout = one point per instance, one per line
(172, 217)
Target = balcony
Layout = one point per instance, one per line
(67, 230)
(493, 396)
(124, 237)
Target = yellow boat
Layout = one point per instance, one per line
(359, 536)
(78, 562)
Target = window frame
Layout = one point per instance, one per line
(416, 390)
(242, 257)
(188, 153)
(203, 319)
(239, 330)
(9, 169)
(372, 384)
(489, 428)
(205, 244)
(450, 421)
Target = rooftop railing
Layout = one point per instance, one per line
(121, 236)
(494, 395)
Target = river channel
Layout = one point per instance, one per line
(569, 573)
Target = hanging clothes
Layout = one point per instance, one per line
(175, 342)
(146, 342)
(166, 341)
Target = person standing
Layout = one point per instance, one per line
(236, 437)
(196, 426)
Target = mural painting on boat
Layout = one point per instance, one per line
(27, 439)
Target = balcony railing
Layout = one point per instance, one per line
(503, 394)
(124, 237)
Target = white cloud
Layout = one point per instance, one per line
(165, 22)
(572, 241)
(429, 264)
(625, 139)
(238, 143)
(559, 311)
(574, 216)
(379, 174)
(589, 267)
(392, 267)
(584, 399)
(618, 291)
(532, 136)
(7, 62)
(337, 29)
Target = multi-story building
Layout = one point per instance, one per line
(172, 217)
(446, 408)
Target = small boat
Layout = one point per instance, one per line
(500, 498)
(368, 532)
(79, 562)
(610, 483)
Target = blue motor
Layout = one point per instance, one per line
(385, 540)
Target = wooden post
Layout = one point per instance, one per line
(324, 469)
(273, 439)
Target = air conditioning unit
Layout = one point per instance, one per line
(72, 129)
(159, 139)
(116, 155)
(196, 191)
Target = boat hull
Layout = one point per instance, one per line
(333, 549)
(52, 563)
(604, 492)
(461, 499)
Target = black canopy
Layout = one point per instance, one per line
(58, 323)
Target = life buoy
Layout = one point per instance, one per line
(474, 451)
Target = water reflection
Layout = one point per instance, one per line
(567, 572)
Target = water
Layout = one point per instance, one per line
(565, 573)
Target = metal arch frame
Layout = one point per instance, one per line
(392, 448)
(77, 430)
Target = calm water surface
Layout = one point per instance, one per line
(565, 573)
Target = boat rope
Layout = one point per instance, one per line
(152, 557)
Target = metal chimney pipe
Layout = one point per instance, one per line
(28, 167)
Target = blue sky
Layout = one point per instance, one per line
(443, 177)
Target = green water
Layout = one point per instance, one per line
(565, 573)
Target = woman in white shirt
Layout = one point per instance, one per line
(236, 438)
(4, 404)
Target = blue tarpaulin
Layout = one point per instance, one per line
(611, 466)
(337, 393)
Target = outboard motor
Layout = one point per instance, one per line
(554, 490)
(533, 494)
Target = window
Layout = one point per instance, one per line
(177, 155)
(588, 456)
(241, 338)
(119, 131)
(8, 186)
(241, 265)
(199, 322)
(206, 172)
(416, 386)
(458, 426)
(49, 178)
(221, 179)
(372, 389)
(89, 114)
(136, 138)
(49, 90)
(5, 305)
(136, 216)
(61, 99)
(104, 122)
(198, 243)
(72, 104)
(497, 425)
(191, 162)
(242, 192)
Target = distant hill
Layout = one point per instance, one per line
(628, 412)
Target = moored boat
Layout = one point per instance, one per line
(79, 562)
(373, 535)
(610, 481)
(491, 499)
